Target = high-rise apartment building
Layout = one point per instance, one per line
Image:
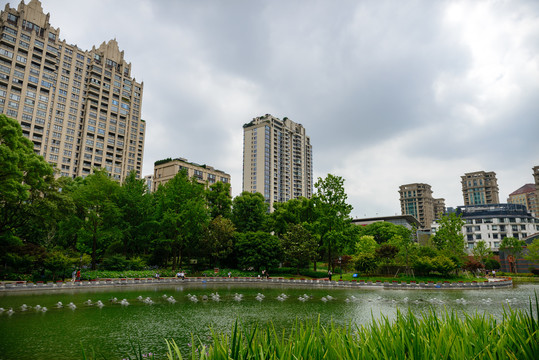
(277, 159)
(479, 188)
(416, 200)
(81, 108)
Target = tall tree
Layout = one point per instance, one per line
(219, 200)
(249, 212)
(333, 213)
(135, 203)
(299, 246)
(449, 238)
(96, 198)
(26, 182)
(184, 215)
(291, 212)
(258, 250)
(513, 247)
(219, 239)
(481, 251)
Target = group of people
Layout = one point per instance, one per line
(180, 275)
(75, 275)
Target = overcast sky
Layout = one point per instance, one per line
(390, 92)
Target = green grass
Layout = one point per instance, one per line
(427, 336)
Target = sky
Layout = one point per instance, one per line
(389, 92)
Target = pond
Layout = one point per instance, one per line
(151, 314)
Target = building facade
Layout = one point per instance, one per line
(527, 196)
(479, 188)
(494, 222)
(165, 170)
(277, 159)
(416, 200)
(80, 108)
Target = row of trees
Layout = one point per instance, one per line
(48, 224)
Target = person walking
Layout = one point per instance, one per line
(78, 275)
(73, 275)
(329, 274)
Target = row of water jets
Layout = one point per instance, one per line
(239, 297)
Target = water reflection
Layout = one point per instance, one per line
(106, 319)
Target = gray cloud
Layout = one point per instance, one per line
(389, 92)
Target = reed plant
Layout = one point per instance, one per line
(409, 336)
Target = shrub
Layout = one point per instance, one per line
(472, 265)
(423, 265)
(491, 264)
(366, 263)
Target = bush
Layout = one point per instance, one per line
(423, 265)
(443, 265)
(491, 264)
(534, 271)
(366, 263)
(120, 263)
(472, 265)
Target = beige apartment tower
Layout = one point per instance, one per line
(80, 108)
(416, 200)
(480, 188)
(164, 170)
(277, 159)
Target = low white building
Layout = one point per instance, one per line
(494, 222)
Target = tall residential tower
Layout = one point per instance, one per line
(277, 159)
(480, 188)
(416, 200)
(80, 108)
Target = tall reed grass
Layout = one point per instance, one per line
(409, 336)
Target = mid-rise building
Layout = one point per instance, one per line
(479, 188)
(80, 108)
(526, 195)
(416, 200)
(277, 159)
(494, 222)
(439, 207)
(148, 179)
(164, 170)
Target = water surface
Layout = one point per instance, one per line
(59, 332)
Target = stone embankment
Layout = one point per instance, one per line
(325, 283)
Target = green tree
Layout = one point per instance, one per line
(299, 246)
(137, 223)
(449, 238)
(220, 239)
(533, 251)
(258, 250)
(383, 231)
(249, 212)
(184, 216)
(59, 264)
(291, 212)
(333, 214)
(481, 251)
(386, 253)
(514, 247)
(26, 183)
(366, 245)
(219, 200)
(96, 198)
(366, 263)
